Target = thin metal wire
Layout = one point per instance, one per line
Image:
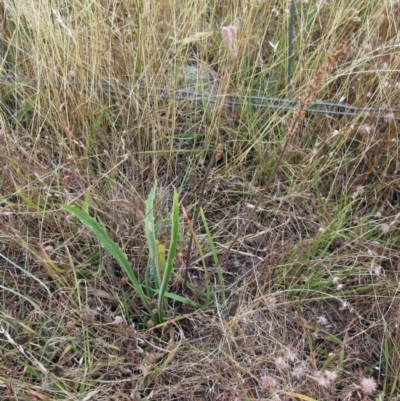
(257, 101)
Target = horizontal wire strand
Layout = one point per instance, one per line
(257, 101)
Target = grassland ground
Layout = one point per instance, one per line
(112, 115)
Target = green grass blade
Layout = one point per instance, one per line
(215, 256)
(27, 299)
(92, 131)
(28, 201)
(290, 47)
(31, 276)
(179, 298)
(22, 113)
(111, 247)
(171, 253)
(151, 239)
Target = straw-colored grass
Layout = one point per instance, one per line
(94, 109)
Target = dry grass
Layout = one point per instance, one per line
(312, 283)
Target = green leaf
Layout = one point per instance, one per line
(111, 247)
(171, 253)
(151, 239)
(22, 113)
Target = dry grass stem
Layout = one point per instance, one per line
(293, 285)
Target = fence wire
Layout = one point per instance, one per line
(234, 100)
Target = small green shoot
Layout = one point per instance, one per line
(153, 273)
(159, 271)
(215, 256)
(167, 273)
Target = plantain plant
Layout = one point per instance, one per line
(159, 270)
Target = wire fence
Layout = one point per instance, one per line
(235, 100)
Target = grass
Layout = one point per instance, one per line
(108, 174)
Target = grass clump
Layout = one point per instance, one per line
(111, 120)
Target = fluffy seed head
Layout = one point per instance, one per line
(368, 385)
(299, 371)
(228, 34)
(268, 382)
(281, 364)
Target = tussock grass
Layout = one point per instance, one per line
(92, 114)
